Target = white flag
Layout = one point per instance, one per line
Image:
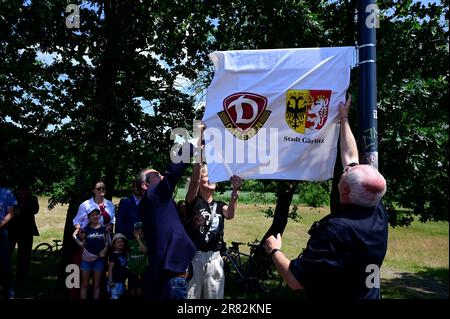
(273, 114)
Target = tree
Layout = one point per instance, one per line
(413, 85)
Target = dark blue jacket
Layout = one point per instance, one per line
(127, 216)
(170, 250)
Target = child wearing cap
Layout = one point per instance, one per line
(93, 241)
(117, 266)
(137, 261)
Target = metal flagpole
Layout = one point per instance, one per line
(368, 131)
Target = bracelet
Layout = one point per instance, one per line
(273, 252)
(344, 117)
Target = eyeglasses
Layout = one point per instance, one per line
(350, 165)
(101, 188)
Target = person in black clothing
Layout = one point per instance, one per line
(205, 223)
(117, 266)
(7, 204)
(21, 230)
(346, 249)
(128, 213)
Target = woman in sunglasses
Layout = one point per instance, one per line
(106, 219)
(98, 200)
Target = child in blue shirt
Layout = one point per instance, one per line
(93, 241)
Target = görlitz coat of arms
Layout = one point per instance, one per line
(307, 110)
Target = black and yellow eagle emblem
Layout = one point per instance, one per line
(298, 103)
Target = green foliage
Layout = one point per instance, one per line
(293, 213)
(77, 116)
(249, 197)
(263, 185)
(413, 110)
(400, 218)
(314, 194)
(264, 192)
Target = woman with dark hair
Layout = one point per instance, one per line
(106, 219)
(98, 200)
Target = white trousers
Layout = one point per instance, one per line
(208, 280)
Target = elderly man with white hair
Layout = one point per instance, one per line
(344, 254)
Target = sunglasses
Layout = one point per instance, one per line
(350, 165)
(101, 188)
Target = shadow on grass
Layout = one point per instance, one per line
(431, 283)
(41, 282)
(238, 291)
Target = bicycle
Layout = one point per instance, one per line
(254, 271)
(45, 252)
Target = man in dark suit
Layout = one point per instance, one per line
(128, 213)
(170, 250)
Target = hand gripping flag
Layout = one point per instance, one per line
(273, 114)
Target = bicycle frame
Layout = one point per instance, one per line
(50, 254)
(234, 257)
(252, 272)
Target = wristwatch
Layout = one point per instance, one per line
(273, 252)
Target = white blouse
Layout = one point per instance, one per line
(82, 215)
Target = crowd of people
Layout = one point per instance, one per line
(157, 249)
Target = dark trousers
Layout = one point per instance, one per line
(164, 287)
(6, 275)
(24, 248)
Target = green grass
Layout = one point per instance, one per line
(416, 264)
(419, 247)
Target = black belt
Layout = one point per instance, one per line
(172, 274)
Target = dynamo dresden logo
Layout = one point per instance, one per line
(307, 110)
(244, 114)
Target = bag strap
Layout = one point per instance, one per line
(212, 215)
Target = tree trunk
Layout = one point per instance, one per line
(96, 158)
(285, 194)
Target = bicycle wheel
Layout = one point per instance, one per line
(42, 252)
(271, 282)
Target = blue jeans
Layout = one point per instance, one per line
(178, 288)
(117, 291)
(6, 274)
(96, 265)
